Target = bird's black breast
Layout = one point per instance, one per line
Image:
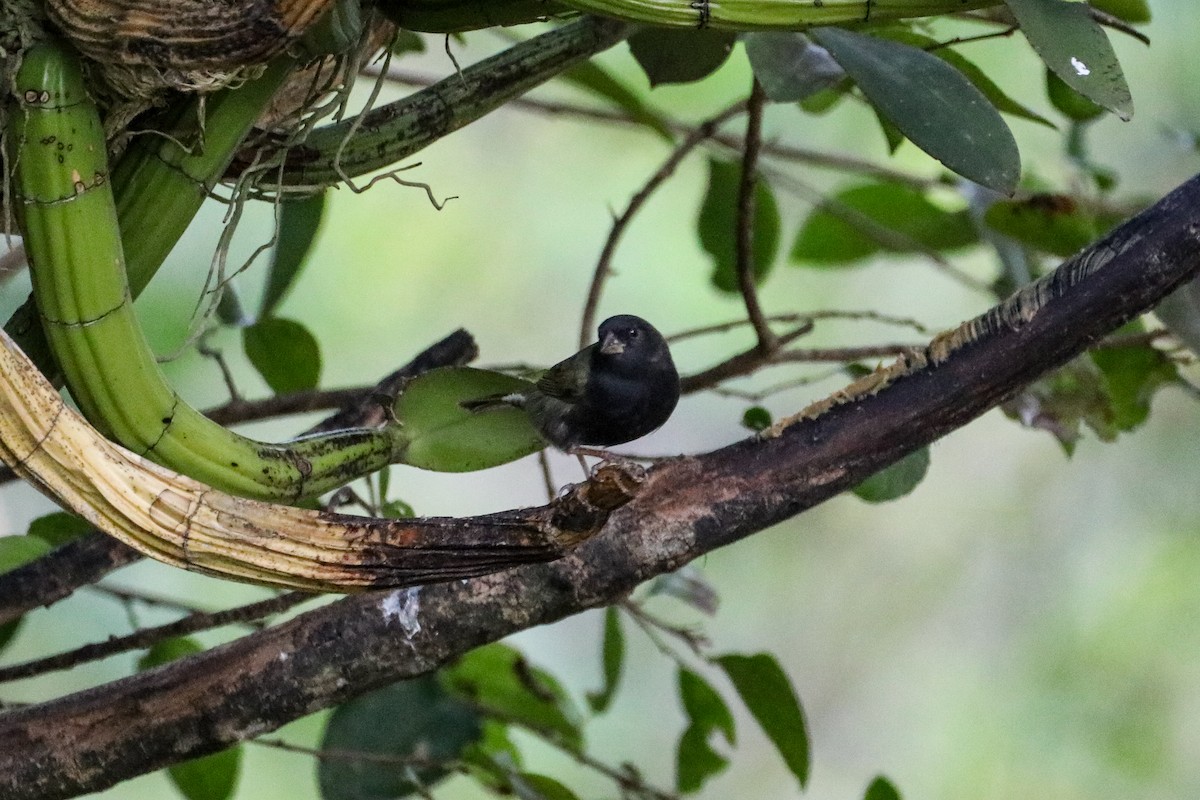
(620, 408)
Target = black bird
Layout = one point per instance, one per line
(619, 389)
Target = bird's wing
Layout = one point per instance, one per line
(567, 379)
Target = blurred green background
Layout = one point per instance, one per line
(1023, 625)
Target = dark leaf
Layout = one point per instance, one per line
(230, 310)
(411, 720)
(1060, 400)
(1052, 223)
(284, 353)
(789, 66)
(881, 789)
(867, 219)
(612, 661)
(1075, 47)
(683, 55)
(595, 79)
(299, 221)
(695, 759)
(499, 679)
(718, 221)
(897, 480)
(769, 696)
(932, 104)
(446, 437)
(756, 418)
(1071, 103)
(16, 551)
(542, 787)
(407, 42)
(59, 527)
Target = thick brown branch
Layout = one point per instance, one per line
(90, 740)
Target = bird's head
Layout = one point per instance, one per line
(631, 339)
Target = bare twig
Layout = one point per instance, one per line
(149, 636)
(744, 234)
(696, 136)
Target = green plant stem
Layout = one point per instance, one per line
(748, 15)
(385, 135)
(70, 225)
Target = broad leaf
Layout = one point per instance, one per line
(683, 55)
(789, 66)
(17, 551)
(863, 220)
(612, 661)
(695, 759)
(932, 103)
(718, 220)
(896, 480)
(499, 679)
(1075, 47)
(1134, 11)
(1052, 223)
(881, 789)
(299, 221)
(595, 79)
(211, 777)
(59, 527)
(446, 437)
(1071, 103)
(414, 721)
(1132, 375)
(769, 696)
(542, 787)
(284, 353)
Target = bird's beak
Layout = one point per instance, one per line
(612, 346)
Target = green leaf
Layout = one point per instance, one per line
(756, 418)
(1053, 223)
(499, 679)
(896, 480)
(211, 777)
(680, 55)
(1074, 46)
(932, 104)
(543, 787)
(879, 217)
(415, 719)
(59, 527)
(789, 66)
(299, 221)
(717, 224)
(17, 551)
(595, 79)
(397, 509)
(612, 661)
(407, 42)
(1131, 377)
(695, 759)
(446, 437)
(284, 353)
(769, 696)
(1071, 103)
(1133, 11)
(881, 789)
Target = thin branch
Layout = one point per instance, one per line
(148, 637)
(695, 137)
(744, 234)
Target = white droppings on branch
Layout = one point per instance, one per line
(403, 606)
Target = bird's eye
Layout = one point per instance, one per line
(634, 333)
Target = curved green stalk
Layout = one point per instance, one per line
(70, 224)
(778, 15)
(392, 132)
(160, 182)
(455, 16)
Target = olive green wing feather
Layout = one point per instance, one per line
(567, 379)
